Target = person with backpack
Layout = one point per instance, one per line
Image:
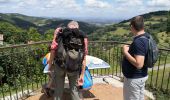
(68, 53)
(135, 62)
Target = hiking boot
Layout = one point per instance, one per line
(46, 90)
(51, 92)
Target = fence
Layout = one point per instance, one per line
(21, 70)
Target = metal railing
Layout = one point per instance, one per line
(21, 70)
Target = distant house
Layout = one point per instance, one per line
(1, 39)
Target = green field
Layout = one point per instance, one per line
(159, 79)
(158, 83)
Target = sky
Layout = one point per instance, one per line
(116, 9)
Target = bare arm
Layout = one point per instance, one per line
(83, 67)
(81, 79)
(51, 59)
(53, 47)
(85, 53)
(137, 60)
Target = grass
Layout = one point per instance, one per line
(162, 36)
(159, 78)
(127, 23)
(162, 57)
(152, 22)
(146, 22)
(157, 18)
(120, 31)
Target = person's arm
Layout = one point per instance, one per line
(51, 59)
(53, 48)
(81, 79)
(137, 60)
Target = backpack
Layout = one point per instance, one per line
(69, 53)
(153, 52)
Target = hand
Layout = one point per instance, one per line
(125, 48)
(81, 80)
(54, 44)
(57, 30)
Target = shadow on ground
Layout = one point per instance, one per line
(97, 92)
(66, 96)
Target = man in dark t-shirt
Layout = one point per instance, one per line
(134, 70)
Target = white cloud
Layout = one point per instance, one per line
(9, 1)
(159, 3)
(130, 3)
(32, 2)
(97, 4)
(26, 4)
(46, 8)
(121, 1)
(83, 8)
(127, 8)
(62, 8)
(3, 1)
(61, 4)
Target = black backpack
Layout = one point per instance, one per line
(69, 53)
(153, 52)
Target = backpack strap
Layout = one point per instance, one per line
(145, 35)
(146, 57)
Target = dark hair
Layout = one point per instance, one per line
(138, 23)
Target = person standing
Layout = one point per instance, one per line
(74, 71)
(133, 64)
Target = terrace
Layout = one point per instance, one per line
(21, 73)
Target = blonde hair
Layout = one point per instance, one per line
(73, 24)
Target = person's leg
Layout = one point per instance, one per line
(73, 77)
(50, 80)
(142, 86)
(50, 72)
(131, 89)
(125, 89)
(58, 80)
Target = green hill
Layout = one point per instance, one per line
(88, 28)
(155, 23)
(42, 24)
(16, 21)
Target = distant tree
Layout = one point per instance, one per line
(155, 37)
(1, 74)
(161, 20)
(48, 35)
(33, 34)
(167, 40)
(12, 34)
(168, 24)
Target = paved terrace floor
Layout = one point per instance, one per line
(104, 88)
